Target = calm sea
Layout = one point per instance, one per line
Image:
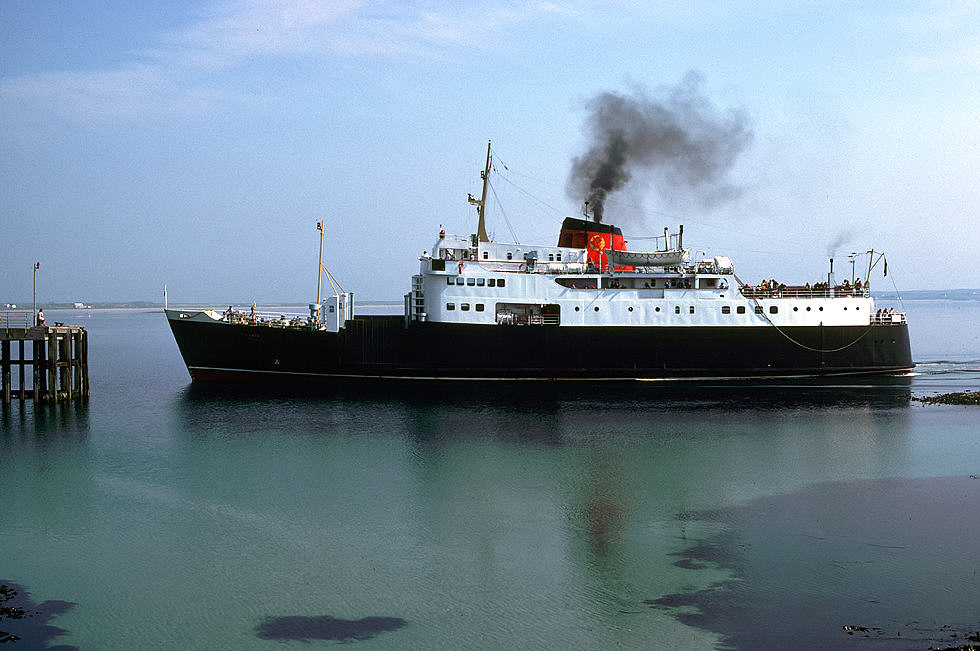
(162, 515)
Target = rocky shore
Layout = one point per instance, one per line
(960, 398)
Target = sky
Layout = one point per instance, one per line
(195, 144)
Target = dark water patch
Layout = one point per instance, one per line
(325, 627)
(879, 564)
(25, 624)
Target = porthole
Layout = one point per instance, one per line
(820, 308)
(807, 308)
(796, 309)
(576, 308)
(656, 309)
(630, 308)
(596, 308)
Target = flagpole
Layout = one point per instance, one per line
(37, 265)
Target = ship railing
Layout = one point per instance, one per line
(795, 291)
(269, 319)
(889, 318)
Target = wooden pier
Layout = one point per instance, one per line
(57, 358)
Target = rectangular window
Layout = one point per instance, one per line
(559, 257)
(465, 307)
(471, 281)
(480, 281)
(450, 306)
(740, 309)
(486, 254)
(450, 281)
(479, 307)
(551, 257)
(438, 265)
(725, 309)
(691, 309)
(510, 256)
(491, 282)
(459, 281)
(758, 309)
(677, 309)
(773, 309)
(500, 282)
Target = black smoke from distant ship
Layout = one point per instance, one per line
(677, 135)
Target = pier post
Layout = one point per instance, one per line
(20, 375)
(52, 388)
(39, 374)
(5, 370)
(64, 362)
(85, 382)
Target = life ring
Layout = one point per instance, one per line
(597, 242)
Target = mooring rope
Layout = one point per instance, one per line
(801, 345)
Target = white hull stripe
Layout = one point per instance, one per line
(457, 378)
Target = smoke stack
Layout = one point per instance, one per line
(677, 136)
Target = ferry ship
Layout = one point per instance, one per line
(586, 309)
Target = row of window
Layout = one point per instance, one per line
(510, 256)
(725, 309)
(479, 282)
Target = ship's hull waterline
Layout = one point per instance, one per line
(382, 348)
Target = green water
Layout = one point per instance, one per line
(436, 518)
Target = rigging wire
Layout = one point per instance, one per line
(500, 205)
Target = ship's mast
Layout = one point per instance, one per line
(481, 203)
(319, 269)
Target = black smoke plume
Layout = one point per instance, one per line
(677, 135)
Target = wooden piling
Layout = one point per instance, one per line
(58, 361)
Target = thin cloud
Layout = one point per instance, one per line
(171, 77)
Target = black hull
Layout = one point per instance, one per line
(380, 347)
